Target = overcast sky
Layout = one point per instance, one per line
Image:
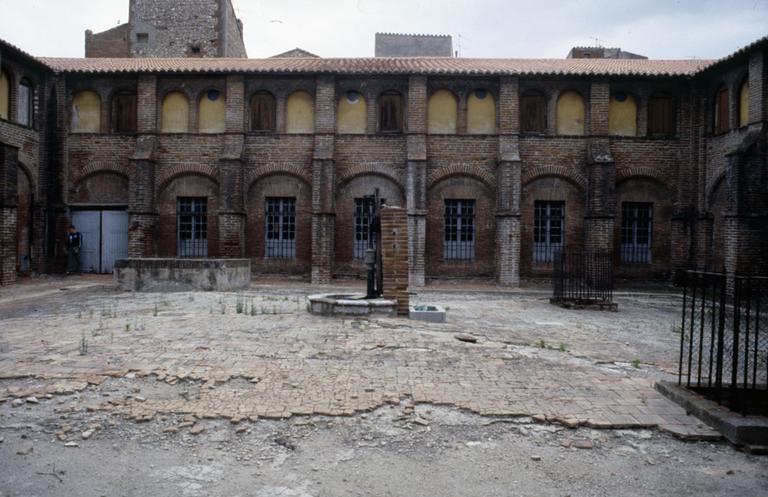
(664, 29)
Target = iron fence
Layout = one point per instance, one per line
(582, 277)
(724, 340)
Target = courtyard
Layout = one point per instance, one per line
(110, 393)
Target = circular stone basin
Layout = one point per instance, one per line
(351, 304)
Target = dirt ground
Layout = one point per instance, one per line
(136, 395)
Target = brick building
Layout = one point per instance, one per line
(499, 163)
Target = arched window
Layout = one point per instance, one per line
(661, 116)
(86, 112)
(300, 113)
(722, 108)
(352, 114)
(390, 112)
(174, 115)
(622, 115)
(25, 109)
(533, 112)
(442, 111)
(212, 114)
(5, 95)
(744, 103)
(124, 112)
(481, 113)
(570, 113)
(263, 111)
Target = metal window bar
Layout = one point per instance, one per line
(363, 218)
(192, 227)
(724, 340)
(280, 237)
(636, 232)
(548, 230)
(459, 230)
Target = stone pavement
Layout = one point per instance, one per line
(274, 360)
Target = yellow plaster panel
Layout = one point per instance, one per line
(86, 112)
(441, 112)
(5, 95)
(744, 104)
(213, 110)
(481, 113)
(300, 113)
(622, 116)
(175, 113)
(570, 114)
(352, 114)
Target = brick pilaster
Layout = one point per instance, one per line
(231, 198)
(235, 104)
(147, 104)
(601, 198)
(508, 192)
(142, 208)
(324, 182)
(9, 201)
(416, 178)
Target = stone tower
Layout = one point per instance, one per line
(169, 28)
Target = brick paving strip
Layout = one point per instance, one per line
(283, 362)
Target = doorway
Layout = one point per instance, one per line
(105, 238)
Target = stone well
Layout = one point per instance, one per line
(351, 305)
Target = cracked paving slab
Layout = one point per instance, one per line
(259, 354)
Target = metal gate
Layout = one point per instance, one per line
(105, 239)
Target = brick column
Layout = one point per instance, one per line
(146, 104)
(416, 178)
(142, 208)
(601, 175)
(601, 199)
(394, 256)
(231, 198)
(235, 104)
(746, 221)
(9, 201)
(324, 182)
(508, 186)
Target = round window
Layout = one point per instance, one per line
(480, 94)
(353, 97)
(214, 95)
(620, 96)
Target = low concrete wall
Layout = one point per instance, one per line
(183, 275)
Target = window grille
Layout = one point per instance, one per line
(280, 228)
(548, 230)
(192, 226)
(363, 218)
(636, 232)
(459, 239)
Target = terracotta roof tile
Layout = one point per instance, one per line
(384, 66)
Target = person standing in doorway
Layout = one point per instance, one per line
(74, 243)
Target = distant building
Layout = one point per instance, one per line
(601, 53)
(410, 45)
(296, 53)
(169, 28)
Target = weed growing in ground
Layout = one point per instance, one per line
(83, 345)
(127, 327)
(542, 344)
(636, 363)
(562, 348)
(154, 312)
(223, 308)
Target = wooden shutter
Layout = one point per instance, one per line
(661, 116)
(391, 113)
(125, 113)
(533, 109)
(722, 112)
(263, 112)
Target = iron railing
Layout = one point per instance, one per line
(582, 277)
(724, 339)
